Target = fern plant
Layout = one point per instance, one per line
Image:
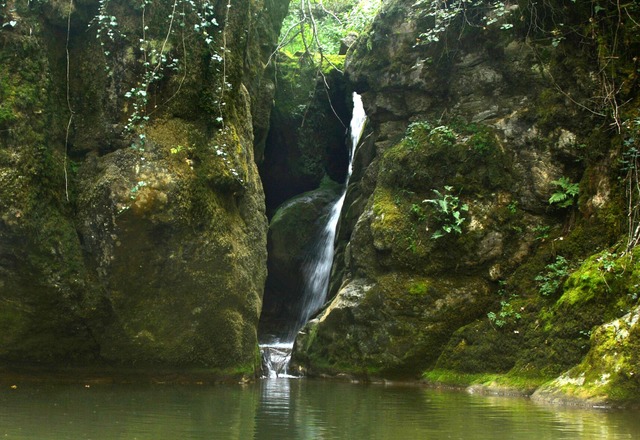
(566, 193)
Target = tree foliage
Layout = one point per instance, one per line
(318, 26)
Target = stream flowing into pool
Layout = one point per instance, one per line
(300, 409)
(317, 270)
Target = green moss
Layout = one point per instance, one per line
(584, 284)
(496, 382)
(479, 137)
(419, 288)
(389, 221)
(462, 155)
(399, 226)
(601, 278)
(54, 305)
(455, 379)
(609, 373)
(332, 63)
(556, 332)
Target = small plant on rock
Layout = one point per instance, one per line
(507, 313)
(551, 279)
(448, 213)
(417, 133)
(566, 193)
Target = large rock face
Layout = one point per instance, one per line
(457, 259)
(133, 223)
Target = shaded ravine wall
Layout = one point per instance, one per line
(498, 115)
(144, 244)
(305, 164)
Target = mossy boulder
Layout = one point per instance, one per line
(609, 374)
(138, 210)
(394, 326)
(443, 198)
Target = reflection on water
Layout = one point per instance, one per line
(293, 409)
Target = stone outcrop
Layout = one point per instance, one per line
(458, 260)
(133, 226)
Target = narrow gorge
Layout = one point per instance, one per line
(167, 167)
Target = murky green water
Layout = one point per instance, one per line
(293, 409)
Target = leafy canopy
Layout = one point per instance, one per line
(319, 25)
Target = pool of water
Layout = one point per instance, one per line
(292, 409)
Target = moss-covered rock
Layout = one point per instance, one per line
(608, 375)
(138, 210)
(485, 122)
(133, 223)
(45, 302)
(393, 327)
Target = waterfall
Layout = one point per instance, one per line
(317, 269)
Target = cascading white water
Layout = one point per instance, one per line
(317, 270)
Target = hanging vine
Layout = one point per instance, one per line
(161, 48)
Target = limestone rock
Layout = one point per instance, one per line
(133, 227)
(609, 373)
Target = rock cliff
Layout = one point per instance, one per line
(133, 227)
(492, 204)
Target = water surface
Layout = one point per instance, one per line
(285, 409)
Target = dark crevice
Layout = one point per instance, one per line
(303, 148)
(299, 158)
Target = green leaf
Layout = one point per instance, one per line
(573, 189)
(557, 198)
